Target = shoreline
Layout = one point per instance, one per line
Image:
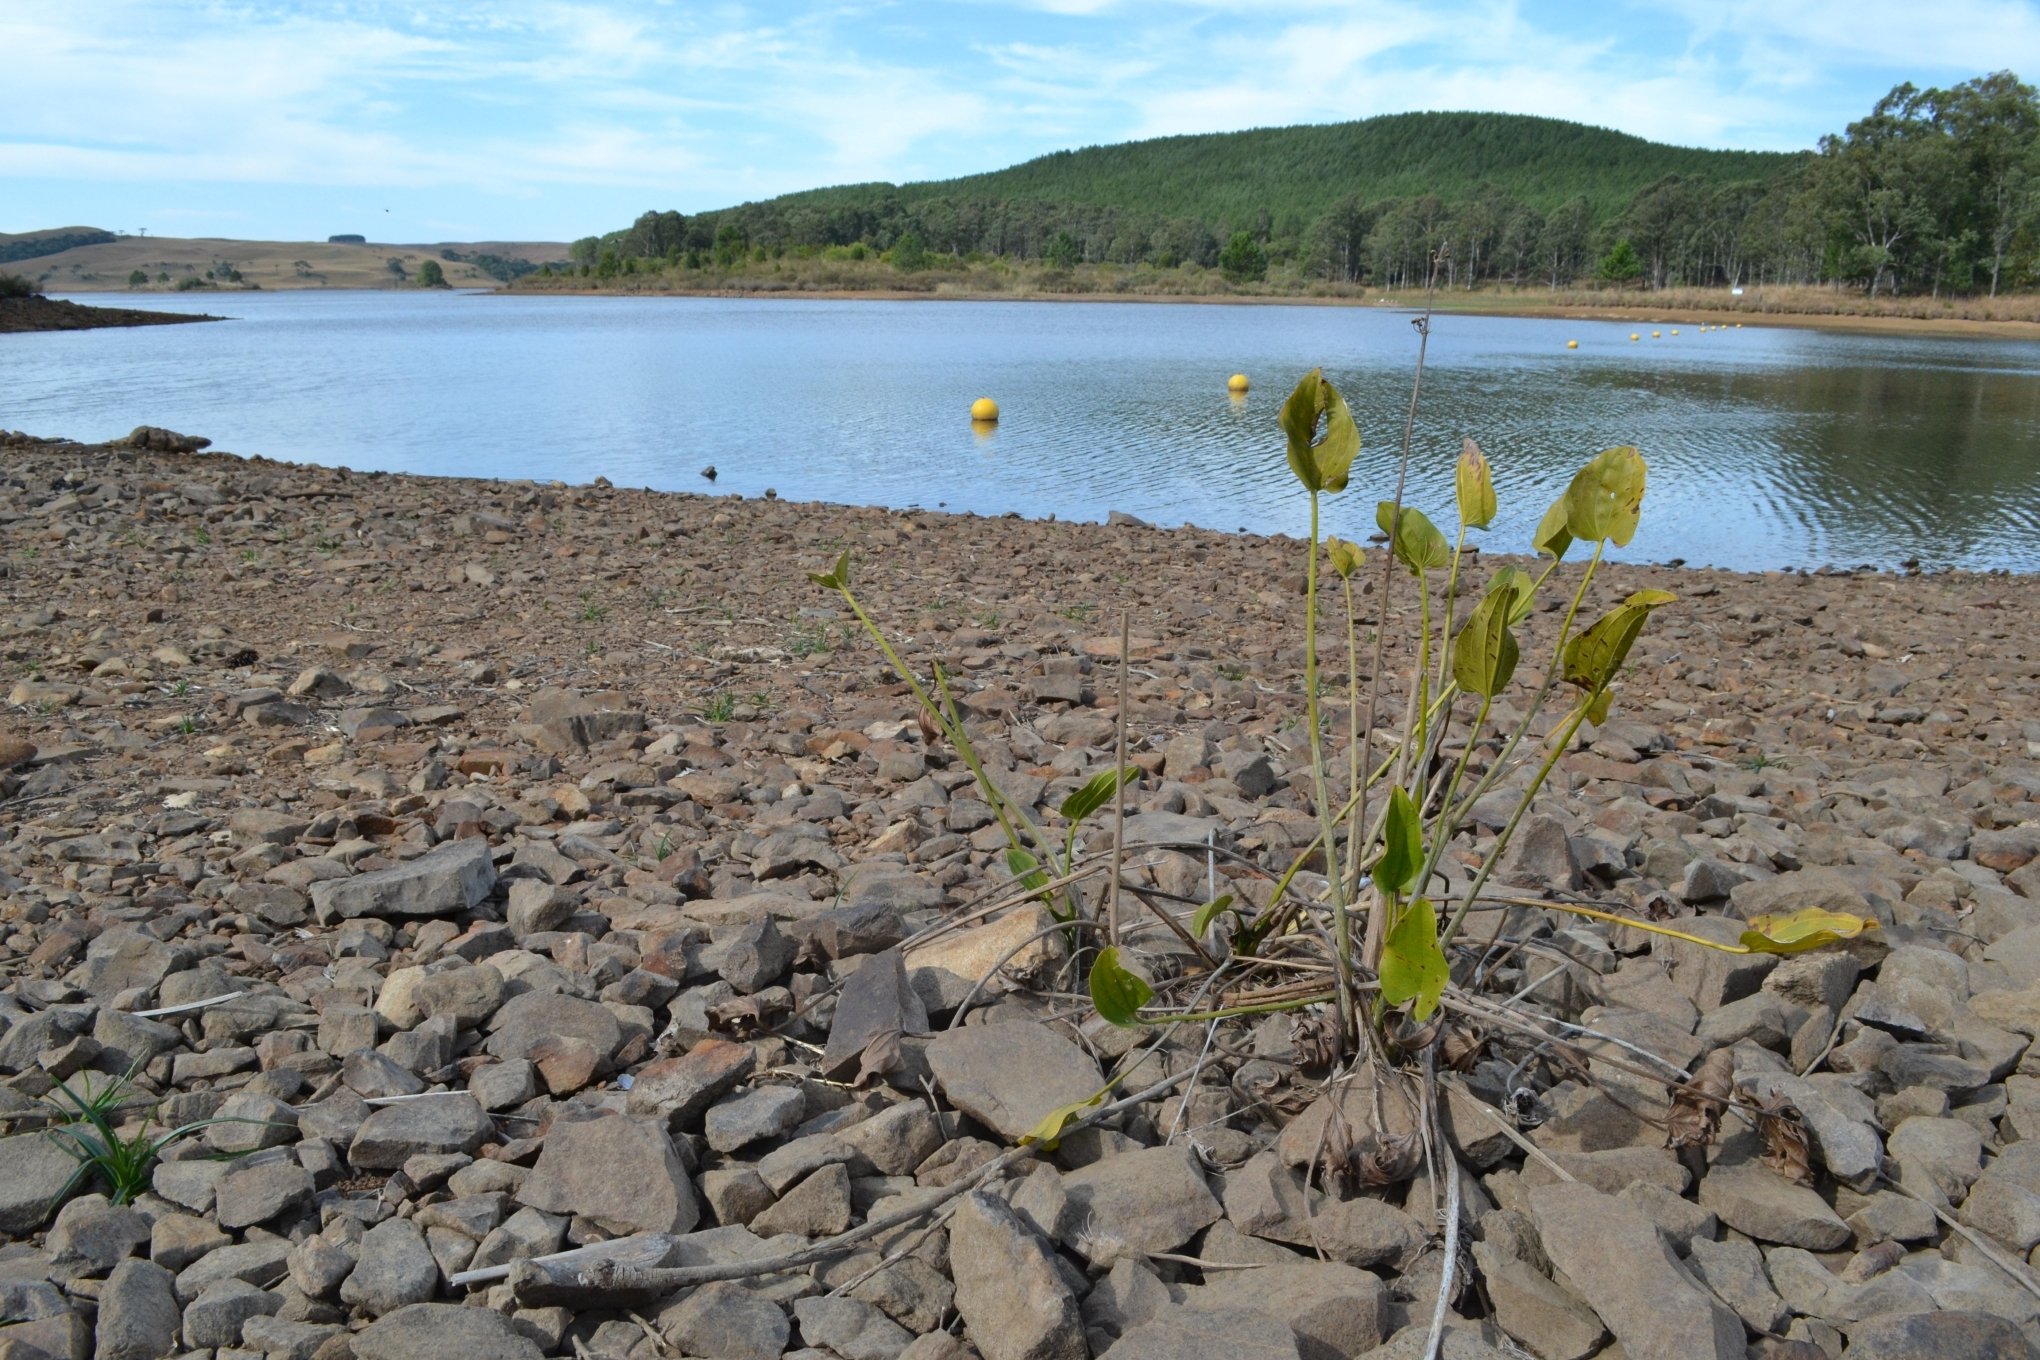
(34, 315)
(571, 805)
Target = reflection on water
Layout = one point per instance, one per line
(1767, 447)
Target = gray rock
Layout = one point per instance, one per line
(395, 1269)
(754, 956)
(1009, 1076)
(1540, 855)
(1332, 1309)
(877, 999)
(317, 1266)
(1937, 1157)
(1009, 1291)
(817, 1207)
(439, 1124)
(138, 1313)
(1137, 1203)
(91, 1233)
(1550, 1322)
(1615, 1259)
(250, 1121)
(285, 1339)
(850, 1328)
(468, 996)
(1207, 1334)
(255, 1194)
(451, 878)
(897, 1139)
(427, 1329)
(620, 1173)
(176, 1240)
(1753, 1199)
(528, 1025)
(730, 1322)
(768, 1112)
(34, 1169)
(216, 1316)
(679, 1090)
(1942, 1335)
(1840, 1122)
(257, 1263)
(1734, 1270)
(1365, 1232)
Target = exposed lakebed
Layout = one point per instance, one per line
(1768, 447)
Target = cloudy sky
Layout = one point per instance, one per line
(530, 120)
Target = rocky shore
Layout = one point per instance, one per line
(58, 314)
(483, 871)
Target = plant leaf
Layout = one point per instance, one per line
(1024, 866)
(1593, 657)
(1345, 557)
(1606, 497)
(1402, 850)
(1117, 993)
(1320, 463)
(1798, 931)
(1209, 912)
(1476, 487)
(1048, 1133)
(1093, 795)
(837, 577)
(1415, 540)
(1484, 654)
(1522, 589)
(1413, 967)
(1552, 538)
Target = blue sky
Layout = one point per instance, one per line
(522, 120)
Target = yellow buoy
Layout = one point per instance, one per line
(1634, 337)
(984, 409)
(1654, 335)
(1237, 383)
(1572, 344)
(1675, 332)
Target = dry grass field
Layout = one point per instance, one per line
(267, 264)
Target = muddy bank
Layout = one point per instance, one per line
(55, 314)
(498, 851)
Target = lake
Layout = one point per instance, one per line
(1767, 447)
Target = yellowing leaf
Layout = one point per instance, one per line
(1552, 538)
(1476, 487)
(1413, 967)
(1048, 1132)
(1320, 462)
(1606, 497)
(1117, 993)
(1592, 658)
(1798, 931)
(1345, 557)
(1416, 542)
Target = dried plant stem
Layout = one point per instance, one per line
(1370, 953)
(1119, 789)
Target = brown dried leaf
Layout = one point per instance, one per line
(882, 1055)
(1785, 1146)
(1389, 1161)
(1315, 1037)
(931, 735)
(748, 1014)
(1461, 1048)
(1340, 1156)
(1697, 1105)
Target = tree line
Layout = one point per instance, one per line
(1935, 190)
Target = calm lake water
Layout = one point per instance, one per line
(1767, 447)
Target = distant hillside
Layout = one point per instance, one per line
(110, 263)
(31, 245)
(1304, 170)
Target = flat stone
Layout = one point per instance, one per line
(1137, 1203)
(394, 1134)
(618, 1172)
(1552, 1323)
(95, 1234)
(876, 1000)
(1207, 1334)
(1942, 1335)
(680, 1090)
(850, 1328)
(34, 1169)
(730, 1322)
(138, 1313)
(255, 1194)
(451, 878)
(974, 952)
(1009, 1076)
(395, 1268)
(215, 1318)
(819, 1206)
(1332, 1309)
(1614, 1257)
(432, 1329)
(1013, 1299)
(1753, 1199)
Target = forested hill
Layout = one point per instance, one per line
(1234, 176)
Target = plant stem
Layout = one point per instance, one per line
(1579, 715)
(1342, 936)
